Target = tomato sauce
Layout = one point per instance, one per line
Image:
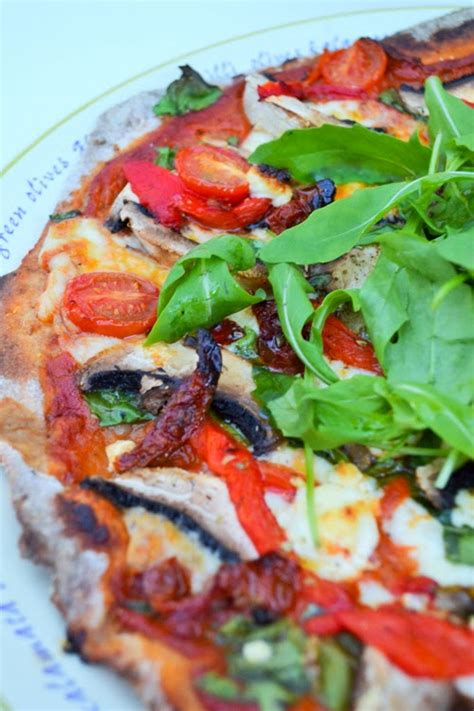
(225, 118)
(76, 446)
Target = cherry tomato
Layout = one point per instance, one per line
(213, 172)
(249, 211)
(360, 66)
(111, 303)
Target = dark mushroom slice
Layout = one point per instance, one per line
(232, 401)
(196, 502)
(462, 478)
(413, 100)
(126, 500)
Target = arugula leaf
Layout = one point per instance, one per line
(269, 695)
(458, 246)
(270, 385)
(114, 407)
(328, 233)
(291, 290)
(165, 157)
(60, 216)
(420, 344)
(336, 676)
(459, 544)
(448, 115)
(188, 93)
(466, 141)
(325, 418)
(391, 97)
(200, 290)
(233, 141)
(452, 206)
(346, 154)
(220, 686)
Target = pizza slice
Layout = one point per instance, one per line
(236, 385)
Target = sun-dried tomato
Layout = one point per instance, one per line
(183, 413)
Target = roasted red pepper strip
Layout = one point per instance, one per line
(332, 598)
(277, 478)
(340, 343)
(183, 413)
(279, 88)
(303, 90)
(76, 445)
(421, 645)
(157, 189)
(231, 461)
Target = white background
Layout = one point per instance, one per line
(58, 54)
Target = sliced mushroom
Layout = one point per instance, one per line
(383, 687)
(414, 99)
(162, 365)
(162, 243)
(265, 117)
(194, 501)
(113, 222)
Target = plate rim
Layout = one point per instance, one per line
(220, 43)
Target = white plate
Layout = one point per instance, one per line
(35, 674)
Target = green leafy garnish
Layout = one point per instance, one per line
(272, 679)
(336, 676)
(188, 93)
(391, 97)
(60, 216)
(233, 141)
(459, 544)
(346, 154)
(165, 157)
(246, 346)
(114, 407)
(200, 290)
(457, 246)
(331, 232)
(448, 116)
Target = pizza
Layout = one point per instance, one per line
(236, 378)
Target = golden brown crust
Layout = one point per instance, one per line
(450, 37)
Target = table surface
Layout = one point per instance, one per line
(58, 54)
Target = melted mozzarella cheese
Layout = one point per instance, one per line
(411, 525)
(264, 186)
(82, 245)
(463, 512)
(373, 594)
(154, 539)
(346, 508)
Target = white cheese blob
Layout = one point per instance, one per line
(264, 186)
(373, 594)
(412, 526)
(346, 508)
(463, 512)
(154, 539)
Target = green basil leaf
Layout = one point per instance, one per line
(346, 154)
(291, 290)
(165, 157)
(60, 216)
(114, 407)
(459, 544)
(246, 346)
(458, 246)
(188, 93)
(220, 686)
(269, 695)
(449, 115)
(200, 290)
(336, 676)
(270, 385)
(332, 231)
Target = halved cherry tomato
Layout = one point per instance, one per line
(360, 66)
(213, 172)
(249, 211)
(111, 303)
